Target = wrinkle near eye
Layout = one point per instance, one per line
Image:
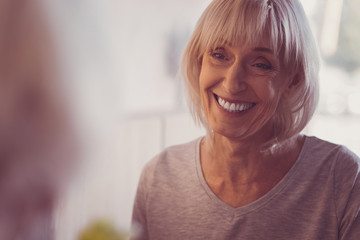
(219, 56)
(263, 66)
(219, 52)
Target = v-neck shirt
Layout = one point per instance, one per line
(318, 198)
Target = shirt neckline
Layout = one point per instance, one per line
(262, 201)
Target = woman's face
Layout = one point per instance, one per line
(240, 88)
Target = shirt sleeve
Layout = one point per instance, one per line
(347, 195)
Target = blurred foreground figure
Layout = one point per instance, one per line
(34, 128)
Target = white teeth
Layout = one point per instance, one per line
(222, 102)
(234, 107)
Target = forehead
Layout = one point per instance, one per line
(260, 40)
(261, 44)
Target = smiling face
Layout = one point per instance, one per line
(240, 88)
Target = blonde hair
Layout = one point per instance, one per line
(246, 22)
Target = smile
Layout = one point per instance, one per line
(233, 107)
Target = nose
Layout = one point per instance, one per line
(235, 79)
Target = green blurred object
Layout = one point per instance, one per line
(102, 230)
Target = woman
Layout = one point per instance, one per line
(251, 69)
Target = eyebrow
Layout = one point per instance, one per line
(263, 49)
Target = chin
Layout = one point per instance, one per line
(255, 134)
(231, 134)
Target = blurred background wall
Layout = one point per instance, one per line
(120, 60)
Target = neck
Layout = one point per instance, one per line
(239, 173)
(244, 162)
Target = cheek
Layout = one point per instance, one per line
(205, 77)
(209, 75)
(202, 90)
(270, 94)
(202, 84)
(265, 90)
(271, 89)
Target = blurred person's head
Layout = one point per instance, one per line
(34, 127)
(279, 25)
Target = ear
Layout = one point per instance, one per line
(293, 84)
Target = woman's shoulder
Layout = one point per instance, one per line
(319, 146)
(324, 152)
(178, 152)
(175, 157)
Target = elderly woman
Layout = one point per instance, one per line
(251, 70)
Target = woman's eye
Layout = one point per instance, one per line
(262, 66)
(218, 55)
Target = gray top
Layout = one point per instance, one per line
(319, 198)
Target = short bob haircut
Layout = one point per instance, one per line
(246, 22)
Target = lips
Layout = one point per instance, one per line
(233, 106)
